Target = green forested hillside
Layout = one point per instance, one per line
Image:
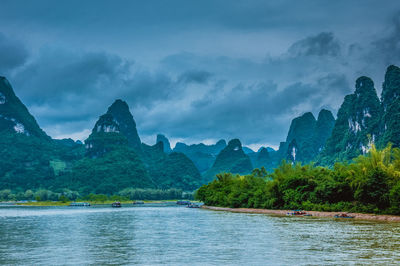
(108, 174)
(113, 157)
(111, 160)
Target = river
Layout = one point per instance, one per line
(173, 235)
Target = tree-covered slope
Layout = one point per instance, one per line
(173, 170)
(231, 159)
(114, 171)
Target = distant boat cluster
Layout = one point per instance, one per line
(118, 204)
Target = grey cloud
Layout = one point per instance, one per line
(56, 76)
(195, 76)
(388, 47)
(323, 44)
(63, 88)
(215, 69)
(13, 54)
(257, 113)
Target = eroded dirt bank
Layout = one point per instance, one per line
(361, 216)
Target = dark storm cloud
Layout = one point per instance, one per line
(13, 54)
(388, 48)
(194, 70)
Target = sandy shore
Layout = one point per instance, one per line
(361, 216)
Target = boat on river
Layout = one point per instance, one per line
(183, 202)
(298, 213)
(343, 215)
(193, 205)
(116, 204)
(79, 204)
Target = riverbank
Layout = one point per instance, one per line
(359, 216)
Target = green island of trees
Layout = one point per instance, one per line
(370, 184)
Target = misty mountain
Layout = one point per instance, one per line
(231, 159)
(202, 155)
(306, 137)
(165, 141)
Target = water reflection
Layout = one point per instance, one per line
(182, 236)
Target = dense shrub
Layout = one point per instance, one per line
(371, 183)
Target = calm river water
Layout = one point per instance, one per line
(180, 236)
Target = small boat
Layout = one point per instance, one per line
(298, 213)
(192, 205)
(116, 204)
(138, 202)
(343, 215)
(183, 202)
(79, 204)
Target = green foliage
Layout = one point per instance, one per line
(58, 166)
(31, 162)
(371, 183)
(116, 170)
(40, 195)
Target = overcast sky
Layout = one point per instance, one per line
(193, 70)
